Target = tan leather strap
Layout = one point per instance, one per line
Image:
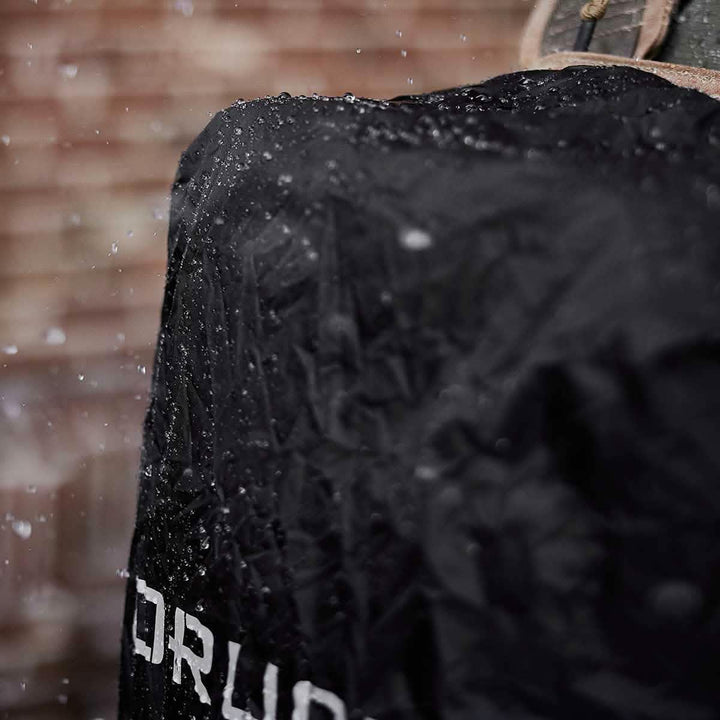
(531, 43)
(706, 81)
(655, 26)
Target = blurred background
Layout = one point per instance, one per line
(97, 100)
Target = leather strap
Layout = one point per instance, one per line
(655, 26)
(531, 43)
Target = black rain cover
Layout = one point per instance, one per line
(435, 419)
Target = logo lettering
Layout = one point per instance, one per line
(304, 693)
(198, 665)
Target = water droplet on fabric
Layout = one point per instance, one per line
(142, 369)
(5, 139)
(415, 239)
(285, 179)
(398, 33)
(712, 195)
(122, 573)
(403, 53)
(10, 349)
(426, 472)
(114, 247)
(676, 599)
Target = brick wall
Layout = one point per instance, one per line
(97, 100)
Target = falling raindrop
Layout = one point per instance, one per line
(185, 7)
(55, 336)
(22, 528)
(68, 71)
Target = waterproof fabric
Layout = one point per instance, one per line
(434, 427)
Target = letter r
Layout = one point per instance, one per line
(198, 665)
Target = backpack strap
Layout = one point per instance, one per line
(630, 28)
(655, 27)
